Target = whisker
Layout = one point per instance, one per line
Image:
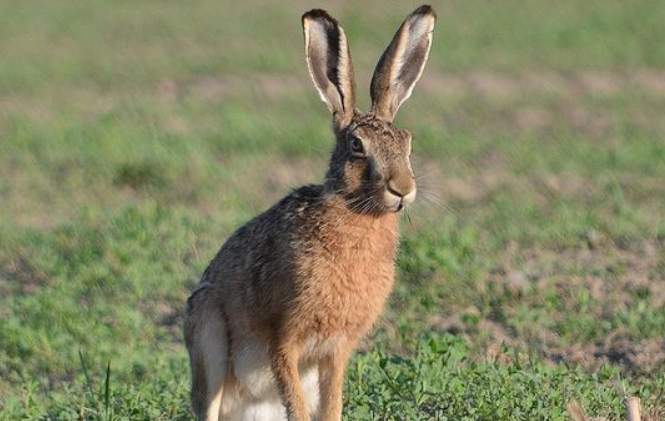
(425, 175)
(408, 218)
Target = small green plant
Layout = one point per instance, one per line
(99, 403)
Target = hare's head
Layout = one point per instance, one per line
(370, 165)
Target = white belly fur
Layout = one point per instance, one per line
(253, 395)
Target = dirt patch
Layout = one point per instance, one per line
(492, 84)
(532, 118)
(259, 191)
(497, 85)
(596, 281)
(650, 81)
(636, 270)
(215, 88)
(600, 83)
(642, 356)
(595, 122)
(484, 84)
(19, 276)
(15, 105)
(171, 319)
(466, 186)
(634, 357)
(623, 276)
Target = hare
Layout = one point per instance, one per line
(280, 308)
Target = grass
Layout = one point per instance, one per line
(137, 137)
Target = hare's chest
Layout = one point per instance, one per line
(346, 292)
(344, 279)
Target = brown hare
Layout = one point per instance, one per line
(280, 308)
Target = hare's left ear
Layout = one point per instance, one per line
(402, 64)
(329, 64)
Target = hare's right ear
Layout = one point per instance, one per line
(402, 64)
(329, 64)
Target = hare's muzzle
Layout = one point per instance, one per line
(400, 191)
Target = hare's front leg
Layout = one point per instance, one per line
(284, 361)
(331, 383)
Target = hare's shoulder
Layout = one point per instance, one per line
(268, 239)
(285, 217)
(306, 201)
(308, 195)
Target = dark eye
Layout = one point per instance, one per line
(356, 147)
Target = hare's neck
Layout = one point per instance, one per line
(378, 235)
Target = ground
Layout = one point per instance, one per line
(135, 137)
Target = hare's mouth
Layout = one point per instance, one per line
(399, 207)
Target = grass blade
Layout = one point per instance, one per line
(107, 391)
(88, 381)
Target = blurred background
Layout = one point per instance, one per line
(136, 136)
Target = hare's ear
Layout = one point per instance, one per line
(402, 63)
(329, 64)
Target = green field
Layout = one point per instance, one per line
(136, 136)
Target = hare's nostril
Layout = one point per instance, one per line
(401, 189)
(395, 189)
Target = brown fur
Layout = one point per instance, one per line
(306, 279)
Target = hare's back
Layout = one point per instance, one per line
(257, 261)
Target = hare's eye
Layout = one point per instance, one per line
(356, 147)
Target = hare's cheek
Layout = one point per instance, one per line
(355, 175)
(374, 171)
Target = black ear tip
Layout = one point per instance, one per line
(425, 9)
(315, 14)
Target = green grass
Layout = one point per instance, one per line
(134, 138)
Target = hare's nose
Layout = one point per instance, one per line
(403, 187)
